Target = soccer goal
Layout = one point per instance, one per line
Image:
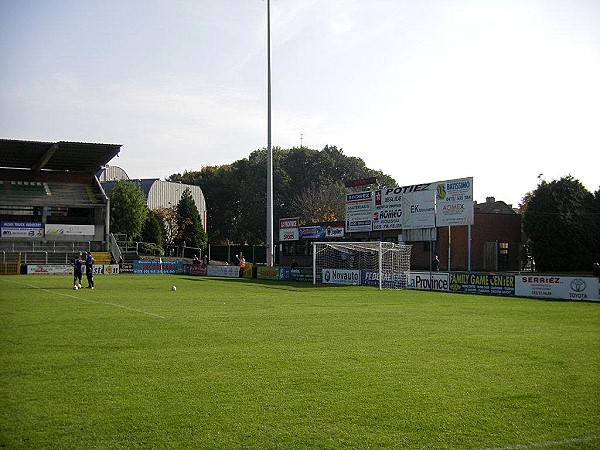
(381, 264)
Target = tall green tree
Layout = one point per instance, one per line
(189, 222)
(151, 229)
(236, 193)
(562, 224)
(128, 209)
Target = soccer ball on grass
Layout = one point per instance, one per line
(173, 288)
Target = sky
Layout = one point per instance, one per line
(423, 90)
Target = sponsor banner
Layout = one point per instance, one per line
(358, 211)
(145, 267)
(288, 234)
(482, 283)
(69, 230)
(321, 232)
(223, 271)
(418, 209)
(404, 207)
(267, 273)
(197, 269)
(558, 287)
(297, 274)
(390, 279)
(289, 222)
(50, 269)
(429, 281)
(340, 276)
(65, 269)
(454, 202)
(105, 269)
(126, 268)
(22, 230)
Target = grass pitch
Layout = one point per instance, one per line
(239, 364)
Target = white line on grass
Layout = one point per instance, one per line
(547, 443)
(116, 305)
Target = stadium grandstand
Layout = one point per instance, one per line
(51, 202)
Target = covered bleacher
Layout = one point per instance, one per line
(51, 202)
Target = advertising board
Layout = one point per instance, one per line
(341, 276)
(358, 211)
(560, 287)
(429, 281)
(66, 269)
(223, 271)
(22, 230)
(454, 202)
(321, 232)
(482, 283)
(53, 229)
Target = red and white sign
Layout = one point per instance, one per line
(290, 222)
(288, 229)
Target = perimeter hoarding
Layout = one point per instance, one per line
(482, 283)
(557, 286)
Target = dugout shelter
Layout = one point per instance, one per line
(51, 202)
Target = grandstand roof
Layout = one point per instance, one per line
(59, 156)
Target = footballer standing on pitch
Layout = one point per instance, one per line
(89, 269)
(77, 263)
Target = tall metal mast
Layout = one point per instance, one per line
(269, 146)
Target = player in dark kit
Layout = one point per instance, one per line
(77, 264)
(89, 270)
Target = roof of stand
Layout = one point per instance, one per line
(59, 156)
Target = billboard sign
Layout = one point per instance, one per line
(404, 207)
(321, 232)
(454, 202)
(358, 211)
(22, 230)
(69, 230)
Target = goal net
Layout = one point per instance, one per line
(381, 264)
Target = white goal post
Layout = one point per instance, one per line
(381, 264)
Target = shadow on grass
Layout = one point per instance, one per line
(269, 284)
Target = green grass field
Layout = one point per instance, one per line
(244, 364)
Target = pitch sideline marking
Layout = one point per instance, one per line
(116, 305)
(546, 444)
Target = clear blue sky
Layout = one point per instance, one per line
(423, 90)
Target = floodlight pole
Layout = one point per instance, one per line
(269, 146)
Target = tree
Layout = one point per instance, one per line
(128, 209)
(562, 224)
(325, 203)
(168, 223)
(189, 222)
(236, 193)
(152, 230)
